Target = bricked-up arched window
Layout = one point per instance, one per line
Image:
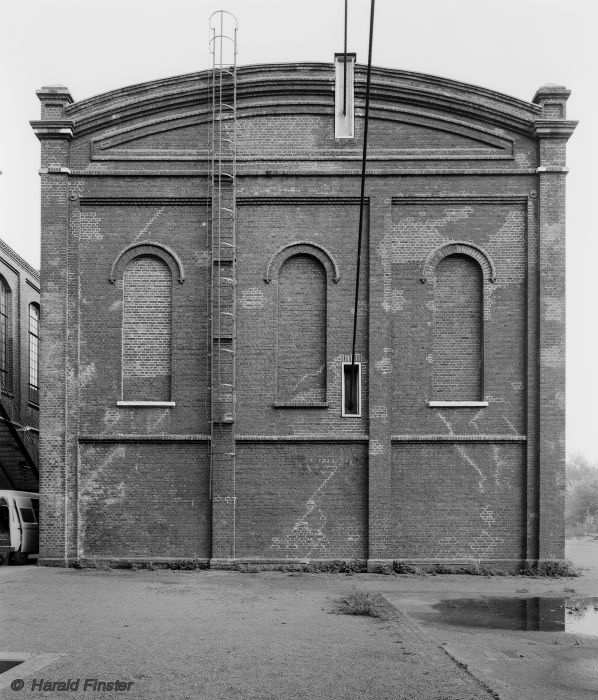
(34, 353)
(302, 331)
(457, 373)
(147, 330)
(5, 335)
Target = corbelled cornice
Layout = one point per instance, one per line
(53, 129)
(282, 85)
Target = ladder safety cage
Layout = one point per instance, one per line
(222, 224)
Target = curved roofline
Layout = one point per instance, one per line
(388, 84)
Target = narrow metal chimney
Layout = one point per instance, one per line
(344, 93)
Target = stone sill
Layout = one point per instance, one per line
(146, 404)
(307, 404)
(457, 404)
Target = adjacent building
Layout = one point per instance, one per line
(198, 275)
(19, 372)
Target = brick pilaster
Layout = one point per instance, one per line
(552, 130)
(56, 468)
(380, 456)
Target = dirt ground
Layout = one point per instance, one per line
(274, 635)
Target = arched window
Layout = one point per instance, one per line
(147, 330)
(34, 353)
(457, 373)
(5, 335)
(302, 330)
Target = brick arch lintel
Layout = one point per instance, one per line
(302, 248)
(4, 283)
(460, 248)
(158, 250)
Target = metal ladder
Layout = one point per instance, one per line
(222, 149)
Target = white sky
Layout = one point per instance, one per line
(512, 46)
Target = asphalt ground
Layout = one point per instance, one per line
(215, 634)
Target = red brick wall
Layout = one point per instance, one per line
(297, 500)
(104, 232)
(460, 500)
(448, 163)
(501, 230)
(144, 500)
(262, 231)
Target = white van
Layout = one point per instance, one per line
(19, 526)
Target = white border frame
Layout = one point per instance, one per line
(457, 404)
(350, 415)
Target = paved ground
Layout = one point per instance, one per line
(274, 635)
(518, 665)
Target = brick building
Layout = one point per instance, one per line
(196, 338)
(19, 372)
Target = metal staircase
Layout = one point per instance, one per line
(19, 458)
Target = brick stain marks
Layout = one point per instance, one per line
(486, 541)
(384, 366)
(90, 226)
(252, 298)
(307, 536)
(412, 238)
(86, 374)
(461, 450)
(96, 488)
(552, 356)
(505, 244)
(149, 224)
(202, 258)
(555, 308)
(376, 447)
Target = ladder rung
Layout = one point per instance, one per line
(227, 280)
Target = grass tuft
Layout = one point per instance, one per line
(402, 567)
(361, 603)
(550, 569)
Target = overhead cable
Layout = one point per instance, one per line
(353, 379)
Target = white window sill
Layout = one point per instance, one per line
(298, 404)
(148, 404)
(457, 404)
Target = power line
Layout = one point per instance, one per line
(353, 382)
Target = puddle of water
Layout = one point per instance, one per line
(572, 615)
(6, 665)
